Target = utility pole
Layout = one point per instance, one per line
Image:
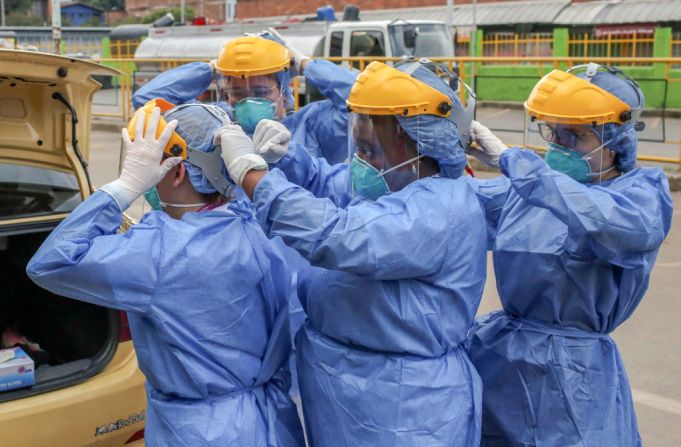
(2, 12)
(56, 25)
(475, 38)
(230, 11)
(182, 12)
(450, 14)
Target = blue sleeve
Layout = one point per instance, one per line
(620, 222)
(492, 194)
(315, 174)
(178, 85)
(332, 81)
(399, 236)
(322, 129)
(84, 258)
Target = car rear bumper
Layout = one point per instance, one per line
(105, 410)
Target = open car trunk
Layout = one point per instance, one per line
(77, 340)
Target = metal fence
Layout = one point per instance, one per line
(634, 46)
(123, 48)
(464, 67)
(75, 40)
(676, 47)
(462, 43)
(509, 44)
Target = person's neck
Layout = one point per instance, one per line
(607, 176)
(177, 213)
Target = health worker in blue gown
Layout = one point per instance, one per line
(252, 74)
(206, 292)
(396, 241)
(574, 237)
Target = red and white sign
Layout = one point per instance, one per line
(624, 30)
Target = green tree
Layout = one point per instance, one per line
(17, 6)
(127, 21)
(21, 19)
(157, 14)
(107, 5)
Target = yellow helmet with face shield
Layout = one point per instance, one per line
(398, 116)
(383, 90)
(252, 56)
(589, 116)
(561, 97)
(254, 78)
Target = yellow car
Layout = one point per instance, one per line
(88, 389)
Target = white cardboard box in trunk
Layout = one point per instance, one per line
(17, 372)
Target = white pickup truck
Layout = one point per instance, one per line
(397, 38)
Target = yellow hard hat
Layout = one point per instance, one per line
(383, 90)
(564, 98)
(176, 146)
(252, 56)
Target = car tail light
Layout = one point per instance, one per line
(124, 328)
(136, 437)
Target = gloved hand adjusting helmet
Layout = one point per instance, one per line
(210, 163)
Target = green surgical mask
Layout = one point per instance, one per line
(152, 198)
(250, 111)
(572, 163)
(365, 179)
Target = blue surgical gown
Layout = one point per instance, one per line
(572, 262)
(390, 295)
(321, 127)
(206, 298)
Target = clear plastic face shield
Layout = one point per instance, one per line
(579, 148)
(383, 158)
(253, 98)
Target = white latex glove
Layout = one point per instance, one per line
(298, 56)
(142, 167)
(490, 147)
(238, 153)
(271, 140)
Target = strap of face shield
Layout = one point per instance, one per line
(210, 163)
(214, 110)
(592, 68)
(463, 118)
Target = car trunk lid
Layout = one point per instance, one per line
(39, 94)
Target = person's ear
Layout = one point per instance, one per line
(179, 175)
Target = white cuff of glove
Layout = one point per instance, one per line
(298, 61)
(121, 195)
(490, 147)
(240, 167)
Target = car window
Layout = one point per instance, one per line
(336, 45)
(366, 43)
(29, 191)
(424, 40)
